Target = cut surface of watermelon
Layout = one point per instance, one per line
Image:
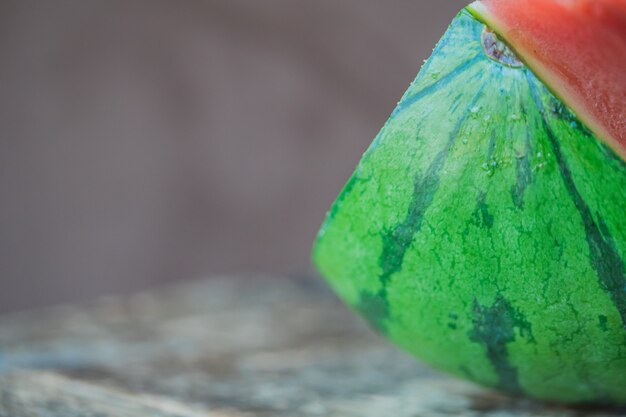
(578, 48)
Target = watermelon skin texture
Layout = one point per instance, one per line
(484, 231)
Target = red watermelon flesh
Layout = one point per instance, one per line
(578, 48)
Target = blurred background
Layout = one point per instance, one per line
(145, 142)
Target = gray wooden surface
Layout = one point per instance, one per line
(226, 347)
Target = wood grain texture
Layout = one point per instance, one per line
(226, 347)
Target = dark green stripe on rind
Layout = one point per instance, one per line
(346, 190)
(604, 256)
(397, 241)
(523, 170)
(495, 326)
(441, 82)
(374, 308)
(482, 217)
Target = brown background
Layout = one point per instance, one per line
(147, 141)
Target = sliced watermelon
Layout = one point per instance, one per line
(484, 230)
(578, 48)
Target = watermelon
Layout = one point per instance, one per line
(484, 230)
(578, 47)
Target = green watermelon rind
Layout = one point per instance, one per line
(484, 231)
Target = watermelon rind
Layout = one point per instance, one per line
(484, 231)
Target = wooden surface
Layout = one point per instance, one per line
(226, 347)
